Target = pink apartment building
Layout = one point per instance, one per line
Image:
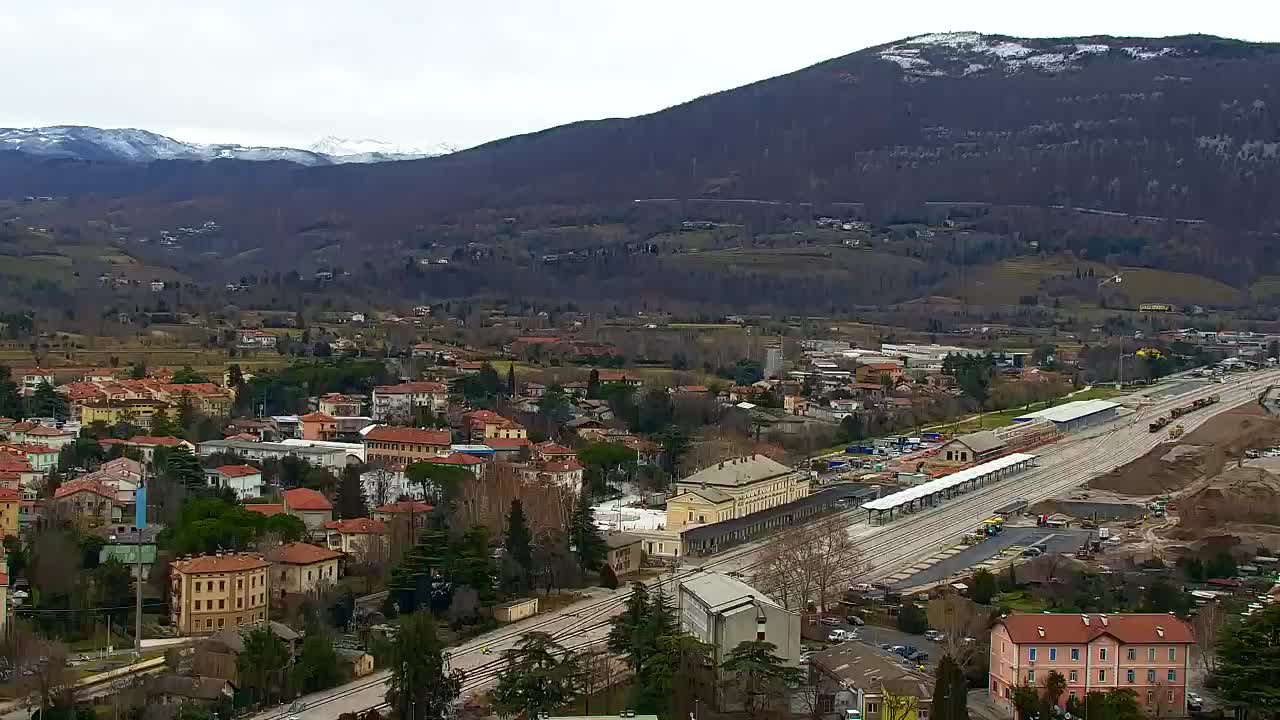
(1146, 653)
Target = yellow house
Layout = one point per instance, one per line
(733, 489)
(10, 501)
(112, 412)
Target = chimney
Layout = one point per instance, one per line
(1040, 630)
(1103, 618)
(1085, 619)
(1160, 630)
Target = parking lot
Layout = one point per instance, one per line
(956, 561)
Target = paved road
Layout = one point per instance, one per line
(876, 635)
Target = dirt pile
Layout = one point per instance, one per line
(1202, 453)
(1238, 495)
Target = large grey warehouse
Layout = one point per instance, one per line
(1073, 416)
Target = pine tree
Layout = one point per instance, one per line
(585, 536)
(519, 540)
(627, 636)
(511, 380)
(182, 468)
(161, 424)
(235, 376)
(608, 578)
(421, 685)
(350, 501)
(46, 402)
(188, 416)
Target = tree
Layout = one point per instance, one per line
(984, 587)
(539, 676)
(674, 445)
(138, 370)
(317, 666)
(10, 399)
(593, 384)
(628, 634)
(1206, 627)
(442, 484)
(421, 685)
(585, 537)
(187, 376)
(761, 678)
(1248, 673)
(162, 425)
(263, 665)
(608, 578)
(519, 541)
(235, 376)
(511, 380)
(950, 692)
(911, 618)
(47, 402)
(896, 706)
(677, 676)
(182, 468)
(350, 501)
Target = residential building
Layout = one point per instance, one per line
(208, 593)
(733, 489)
(337, 404)
(1147, 653)
(878, 371)
(10, 507)
(333, 458)
(851, 679)
(16, 472)
(356, 537)
(483, 425)
(724, 612)
(252, 339)
(473, 464)
(88, 502)
(309, 506)
(56, 438)
(318, 426)
(619, 376)
(414, 513)
(355, 664)
(244, 480)
(399, 403)
(551, 450)
(43, 458)
(301, 567)
(566, 473)
(625, 553)
(508, 448)
(146, 445)
(218, 655)
(396, 447)
(137, 412)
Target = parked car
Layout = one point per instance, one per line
(855, 620)
(830, 620)
(840, 636)
(934, 636)
(919, 656)
(1032, 552)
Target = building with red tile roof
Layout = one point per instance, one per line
(208, 593)
(244, 480)
(309, 506)
(302, 567)
(396, 447)
(267, 509)
(89, 502)
(399, 403)
(356, 537)
(1148, 653)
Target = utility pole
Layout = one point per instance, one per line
(140, 522)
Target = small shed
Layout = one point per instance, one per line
(515, 610)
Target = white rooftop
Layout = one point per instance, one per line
(1069, 411)
(945, 482)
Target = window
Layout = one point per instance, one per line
(1151, 654)
(1173, 654)
(239, 620)
(1151, 676)
(994, 686)
(208, 624)
(1031, 654)
(1102, 676)
(1075, 654)
(1053, 654)
(1130, 676)
(222, 604)
(1173, 675)
(221, 622)
(222, 585)
(826, 703)
(1151, 697)
(1102, 653)
(922, 714)
(873, 708)
(1132, 654)
(1073, 676)
(308, 574)
(1170, 696)
(282, 576)
(239, 603)
(1031, 677)
(240, 584)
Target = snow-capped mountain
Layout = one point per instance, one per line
(133, 145)
(961, 54)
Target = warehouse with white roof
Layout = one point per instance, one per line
(1073, 416)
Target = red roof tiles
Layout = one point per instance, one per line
(237, 470)
(267, 509)
(305, 499)
(73, 487)
(1128, 628)
(405, 506)
(456, 458)
(413, 436)
(234, 562)
(299, 553)
(357, 526)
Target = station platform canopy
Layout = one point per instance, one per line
(948, 482)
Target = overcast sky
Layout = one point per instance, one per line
(419, 72)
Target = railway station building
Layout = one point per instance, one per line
(885, 509)
(1074, 416)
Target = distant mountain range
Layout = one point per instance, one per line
(78, 142)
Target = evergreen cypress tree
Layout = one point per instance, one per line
(511, 380)
(350, 502)
(585, 537)
(519, 540)
(951, 691)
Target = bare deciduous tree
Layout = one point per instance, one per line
(958, 618)
(814, 563)
(1205, 626)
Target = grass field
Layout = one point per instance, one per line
(1266, 286)
(1006, 281)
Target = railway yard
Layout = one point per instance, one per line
(892, 552)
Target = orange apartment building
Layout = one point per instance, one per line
(208, 593)
(396, 447)
(1147, 653)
